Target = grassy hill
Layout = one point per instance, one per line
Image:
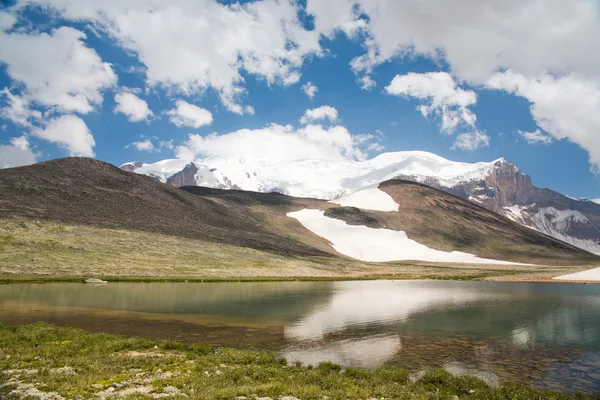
(78, 216)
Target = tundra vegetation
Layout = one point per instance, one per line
(48, 362)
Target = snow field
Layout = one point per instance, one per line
(378, 245)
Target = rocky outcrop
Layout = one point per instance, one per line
(185, 177)
(131, 167)
(510, 192)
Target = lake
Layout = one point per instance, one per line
(546, 335)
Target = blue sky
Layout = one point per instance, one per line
(492, 81)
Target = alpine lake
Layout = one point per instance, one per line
(545, 335)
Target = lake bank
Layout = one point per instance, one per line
(71, 363)
(538, 334)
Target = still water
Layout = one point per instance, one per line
(546, 335)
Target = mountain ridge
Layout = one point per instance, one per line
(499, 185)
(87, 192)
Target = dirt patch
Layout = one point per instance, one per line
(354, 216)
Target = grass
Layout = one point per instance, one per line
(33, 251)
(50, 361)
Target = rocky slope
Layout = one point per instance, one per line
(509, 192)
(86, 192)
(499, 186)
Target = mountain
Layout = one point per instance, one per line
(417, 222)
(499, 185)
(84, 191)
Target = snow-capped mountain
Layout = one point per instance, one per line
(321, 179)
(498, 185)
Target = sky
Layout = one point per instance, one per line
(146, 80)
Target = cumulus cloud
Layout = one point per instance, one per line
(280, 143)
(320, 113)
(309, 89)
(17, 153)
(190, 115)
(535, 137)
(17, 109)
(475, 38)
(147, 144)
(442, 96)
(471, 141)
(265, 39)
(56, 69)
(565, 107)
(143, 145)
(69, 132)
(133, 107)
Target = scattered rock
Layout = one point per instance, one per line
(454, 397)
(63, 370)
(207, 374)
(27, 390)
(288, 398)
(20, 372)
(218, 372)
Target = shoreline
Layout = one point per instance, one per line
(512, 278)
(55, 362)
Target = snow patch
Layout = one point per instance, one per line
(369, 198)
(378, 245)
(589, 275)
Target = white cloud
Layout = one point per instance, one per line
(147, 144)
(70, 132)
(193, 45)
(17, 110)
(535, 137)
(475, 38)
(366, 82)
(566, 108)
(143, 145)
(190, 115)
(133, 107)
(56, 69)
(17, 153)
(442, 96)
(471, 141)
(6, 21)
(309, 89)
(320, 113)
(280, 143)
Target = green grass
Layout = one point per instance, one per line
(48, 251)
(32, 355)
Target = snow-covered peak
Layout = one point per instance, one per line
(162, 170)
(324, 179)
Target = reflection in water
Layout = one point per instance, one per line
(546, 335)
(380, 302)
(370, 352)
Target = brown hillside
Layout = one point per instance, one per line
(447, 222)
(89, 192)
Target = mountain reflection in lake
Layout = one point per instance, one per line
(544, 335)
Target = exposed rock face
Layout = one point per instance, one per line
(130, 167)
(500, 187)
(509, 192)
(185, 177)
